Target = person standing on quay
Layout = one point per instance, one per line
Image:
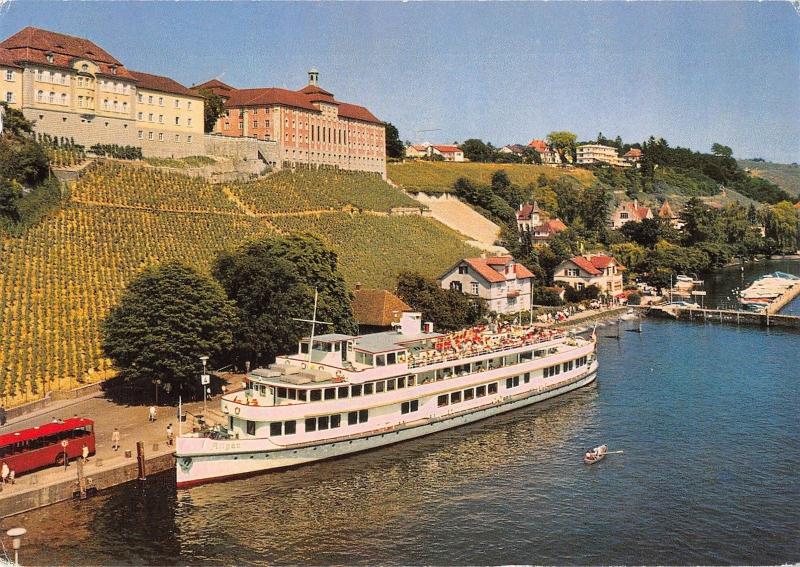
(115, 439)
(152, 413)
(170, 434)
(85, 453)
(5, 472)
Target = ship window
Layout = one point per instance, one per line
(322, 422)
(311, 424)
(251, 427)
(527, 377)
(411, 380)
(509, 383)
(336, 420)
(289, 427)
(380, 360)
(303, 348)
(356, 390)
(401, 382)
(316, 395)
(538, 353)
(409, 407)
(352, 418)
(330, 393)
(344, 391)
(469, 394)
(276, 428)
(492, 388)
(291, 393)
(363, 416)
(391, 358)
(566, 366)
(455, 397)
(527, 355)
(379, 386)
(301, 395)
(480, 391)
(281, 392)
(367, 389)
(390, 384)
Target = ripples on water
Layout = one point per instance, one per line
(706, 415)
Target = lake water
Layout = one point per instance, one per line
(706, 415)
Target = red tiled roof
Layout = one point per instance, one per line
(447, 149)
(522, 272)
(633, 153)
(797, 205)
(552, 226)
(527, 209)
(357, 112)
(539, 145)
(665, 211)
(213, 84)
(483, 266)
(601, 261)
(33, 45)
(7, 58)
(162, 84)
(585, 265)
(377, 307)
(594, 264)
(498, 260)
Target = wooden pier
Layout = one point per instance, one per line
(724, 316)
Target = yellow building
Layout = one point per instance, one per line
(69, 87)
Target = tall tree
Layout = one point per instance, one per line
(449, 310)
(167, 318)
(394, 147)
(213, 108)
(563, 142)
(720, 150)
(476, 150)
(272, 281)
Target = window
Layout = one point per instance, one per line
(85, 68)
(9, 97)
(150, 99)
(140, 134)
(160, 118)
(188, 121)
(177, 138)
(480, 391)
(139, 116)
(161, 101)
(139, 98)
(456, 286)
(323, 422)
(177, 121)
(149, 135)
(390, 385)
(177, 103)
(289, 427)
(455, 397)
(492, 388)
(401, 382)
(330, 393)
(336, 421)
(150, 117)
(188, 139)
(367, 389)
(161, 136)
(527, 377)
(474, 288)
(355, 390)
(469, 394)
(251, 427)
(311, 423)
(189, 105)
(363, 416)
(343, 392)
(356, 417)
(9, 75)
(572, 272)
(379, 386)
(275, 428)
(40, 96)
(409, 407)
(463, 270)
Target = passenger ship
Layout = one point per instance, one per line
(342, 394)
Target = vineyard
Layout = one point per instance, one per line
(65, 157)
(59, 279)
(306, 190)
(373, 249)
(438, 177)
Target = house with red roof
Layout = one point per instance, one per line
(633, 156)
(601, 270)
(503, 282)
(548, 154)
(71, 87)
(543, 232)
(449, 153)
(629, 211)
(417, 151)
(308, 127)
(532, 219)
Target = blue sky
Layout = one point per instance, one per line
(693, 72)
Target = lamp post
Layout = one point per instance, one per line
(16, 540)
(204, 379)
(157, 383)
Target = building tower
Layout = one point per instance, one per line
(313, 76)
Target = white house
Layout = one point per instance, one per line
(596, 153)
(500, 280)
(629, 211)
(593, 269)
(449, 153)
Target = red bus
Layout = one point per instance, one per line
(45, 445)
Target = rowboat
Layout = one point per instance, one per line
(595, 455)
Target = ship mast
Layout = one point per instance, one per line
(313, 322)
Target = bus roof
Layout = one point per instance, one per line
(43, 430)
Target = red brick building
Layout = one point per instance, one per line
(309, 126)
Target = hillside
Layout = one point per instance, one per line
(59, 279)
(438, 177)
(784, 175)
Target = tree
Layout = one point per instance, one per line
(564, 143)
(394, 147)
(448, 309)
(530, 155)
(781, 224)
(477, 150)
(167, 318)
(720, 150)
(272, 280)
(10, 194)
(15, 123)
(213, 108)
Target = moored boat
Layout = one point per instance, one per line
(341, 394)
(595, 455)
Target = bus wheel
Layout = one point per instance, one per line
(60, 459)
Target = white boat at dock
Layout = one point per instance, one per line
(341, 394)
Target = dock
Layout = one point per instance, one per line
(724, 316)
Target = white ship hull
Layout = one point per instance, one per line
(201, 461)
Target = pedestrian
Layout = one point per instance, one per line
(115, 439)
(4, 472)
(170, 434)
(2, 415)
(11, 477)
(152, 413)
(85, 453)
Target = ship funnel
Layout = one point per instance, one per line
(411, 323)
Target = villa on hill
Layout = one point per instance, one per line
(309, 126)
(629, 211)
(504, 283)
(533, 220)
(601, 270)
(427, 150)
(70, 87)
(589, 154)
(549, 155)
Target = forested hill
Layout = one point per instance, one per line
(784, 175)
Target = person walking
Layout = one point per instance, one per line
(152, 413)
(170, 435)
(4, 472)
(115, 439)
(85, 453)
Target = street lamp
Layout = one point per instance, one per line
(204, 380)
(157, 383)
(16, 540)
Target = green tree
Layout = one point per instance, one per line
(167, 318)
(394, 147)
(781, 224)
(448, 309)
(563, 142)
(477, 150)
(10, 195)
(720, 150)
(213, 108)
(15, 123)
(272, 280)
